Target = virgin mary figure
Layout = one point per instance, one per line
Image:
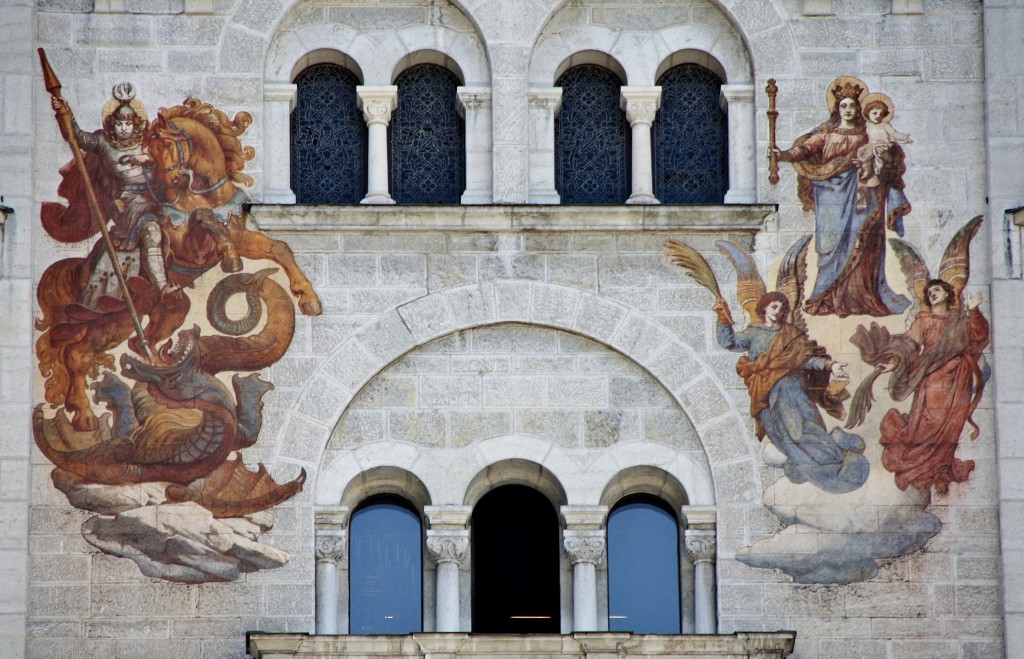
(850, 218)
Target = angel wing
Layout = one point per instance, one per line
(791, 278)
(955, 267)
(913, 267)
(749, 285)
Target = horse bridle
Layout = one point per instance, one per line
(183, 168)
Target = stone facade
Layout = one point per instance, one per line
(514, 340)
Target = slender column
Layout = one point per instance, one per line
(544, 105)
(701, 549)
(331, 545)
(377, 104)
(448, 546)
(449, 550)
(585, 542)
(641, 105)
(739, 102)
(278, 98)
(475, 105)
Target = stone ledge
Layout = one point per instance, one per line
(763, 645)
(731, 218)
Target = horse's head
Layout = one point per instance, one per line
(171, 151)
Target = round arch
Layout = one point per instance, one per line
(671, 362)
(515, 472)
(646, 479)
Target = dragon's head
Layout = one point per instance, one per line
(174, 370)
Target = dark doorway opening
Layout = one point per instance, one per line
(515, 563)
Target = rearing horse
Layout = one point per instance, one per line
(197, 162)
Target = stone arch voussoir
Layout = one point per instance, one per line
(674, 364)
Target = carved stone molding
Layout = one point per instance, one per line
(585, 548)
(546, 99)
(473, 99)
(448, 548)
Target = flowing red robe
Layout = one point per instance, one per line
(920, 447)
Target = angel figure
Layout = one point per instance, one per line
(937, 361)
(786, 373)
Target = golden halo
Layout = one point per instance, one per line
(877, 96)
(113, 103)
(830, 99)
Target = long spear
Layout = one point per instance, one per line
(66, 121)
(773, 115)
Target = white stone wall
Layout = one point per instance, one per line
(389, 294)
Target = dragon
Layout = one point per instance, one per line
(179, 423)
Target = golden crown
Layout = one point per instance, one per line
(848, 90)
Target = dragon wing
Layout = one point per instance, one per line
(913, 267)
(955, 267)
(791, 278)
(749, 285)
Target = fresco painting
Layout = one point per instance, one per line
(853, 485)
(144, 425)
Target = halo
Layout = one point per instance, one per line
(113, 103)
(878, 96)
(830, 99)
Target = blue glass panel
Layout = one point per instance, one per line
(691, 139)
(428, 143)
(643, 568)
(385, 569)
(328, 138)
(591, 138)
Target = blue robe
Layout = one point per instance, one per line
(833, 461)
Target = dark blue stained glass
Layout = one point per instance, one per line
(591, 138)
(385, 568)
(428, 138)
(643, 567)
(328, 150)
(691, 138)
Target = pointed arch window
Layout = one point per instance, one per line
(691, 140)
(328, 137)
(643, 567)
(428, 138)
(591, 138)
(385, 567)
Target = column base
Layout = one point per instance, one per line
(741, 196)
(278, 196)
(471, 197)
(545, 197)
(642, 198)
(377, 198)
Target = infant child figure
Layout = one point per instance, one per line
(881, 135)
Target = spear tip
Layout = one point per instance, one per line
(50, 80)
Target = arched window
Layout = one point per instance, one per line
(515, 563)
(385, 568)
(428, 138)
(691, 141)
(591, 138)
(643, 567)
(328, 137)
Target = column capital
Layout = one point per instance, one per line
(448, 546)
(585, 546)
(279, 92)
(330, 547)
(545, 98)
(738, 93)
(701, 546)
(377, 103)
(473, 98)
(640, 103)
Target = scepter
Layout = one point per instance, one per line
(66, 121)
(773, 115)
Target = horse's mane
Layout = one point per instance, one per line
(226, 130)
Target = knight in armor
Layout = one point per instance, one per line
(136, 231)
